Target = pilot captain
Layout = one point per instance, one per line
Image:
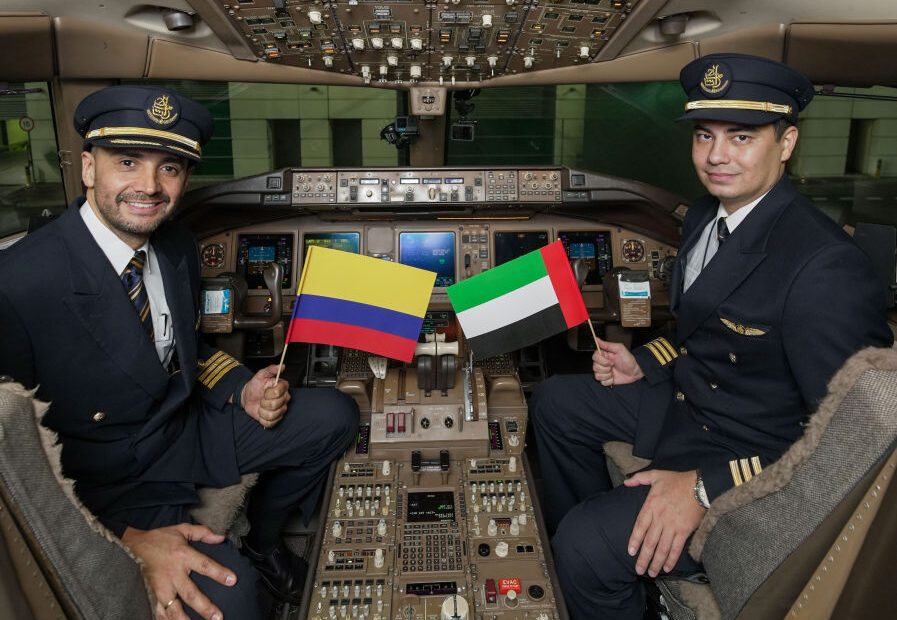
(100, 311)
(770, 298)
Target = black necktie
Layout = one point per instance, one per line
(722, 231)
(133, 281)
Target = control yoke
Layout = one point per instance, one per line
(273, 275)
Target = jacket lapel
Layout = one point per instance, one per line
(97, 300)
(734, 262)
(688, 242)
(179, 295)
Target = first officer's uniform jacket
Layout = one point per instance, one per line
(770, 319)
(126, 422)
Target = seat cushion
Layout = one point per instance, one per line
(789, 505)
(90, 573)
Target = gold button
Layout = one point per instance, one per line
(733, 358)
(680, 396)
(99, 416)
(683, 350)
(713, 386)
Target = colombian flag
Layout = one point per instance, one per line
(356, 301)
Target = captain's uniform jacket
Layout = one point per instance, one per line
(121, 414)
(754, 346)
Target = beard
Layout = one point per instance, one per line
(117, 214)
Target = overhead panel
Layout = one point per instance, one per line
(444, 42)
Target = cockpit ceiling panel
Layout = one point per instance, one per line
(446, 42)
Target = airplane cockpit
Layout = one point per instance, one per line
(453, 136)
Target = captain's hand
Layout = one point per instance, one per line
(614, 364)
(668, 517)
(264, 399)
(168, 560)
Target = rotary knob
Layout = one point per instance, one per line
(455, 607)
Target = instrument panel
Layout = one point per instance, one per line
(445, 43)
(455, 250)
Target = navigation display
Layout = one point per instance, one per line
(510, 245)
(433, 251)
(345, 241)
(255, 252)
(593, 246)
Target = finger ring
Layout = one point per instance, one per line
(170, 603)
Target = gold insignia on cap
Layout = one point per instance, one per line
(741, 329)
(161, 111)
(714, 80)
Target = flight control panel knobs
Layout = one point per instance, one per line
(455, 607)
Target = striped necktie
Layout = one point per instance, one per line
(132, 278)
(722, 231)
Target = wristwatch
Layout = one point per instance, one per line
(701, 492)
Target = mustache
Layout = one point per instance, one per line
(141, 197)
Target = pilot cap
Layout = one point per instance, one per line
(144, 117)
(744, 89)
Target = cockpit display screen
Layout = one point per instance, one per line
(433, 251)
(593, 246)
(345, 241)
(510, 245)
(431, 506)
(255, 252)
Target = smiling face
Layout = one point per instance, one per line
(133, 191)
(739, 163)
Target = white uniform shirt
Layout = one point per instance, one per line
(119, 254)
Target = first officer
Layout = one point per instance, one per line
(759, 334)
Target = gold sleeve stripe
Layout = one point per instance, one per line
(666, 345)
(746, 472)
(755, 464)
(205, 366)
(216, 367)
(213, 366)
(210, 383)
(736, 475)
(662, 359)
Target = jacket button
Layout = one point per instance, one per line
(733, 358)
(680, 396)
(713, 386)
(99, 416)
(704, 426)
(683, 350)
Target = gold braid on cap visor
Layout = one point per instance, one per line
(737, 104)
(104, 132)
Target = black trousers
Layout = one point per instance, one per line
(572, 417)
(293, 458)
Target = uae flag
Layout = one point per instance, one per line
(518, 303)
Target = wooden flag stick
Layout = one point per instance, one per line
(598, 347)
(282, 357)
(594, 337)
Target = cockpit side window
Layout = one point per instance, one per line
(30, 181)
